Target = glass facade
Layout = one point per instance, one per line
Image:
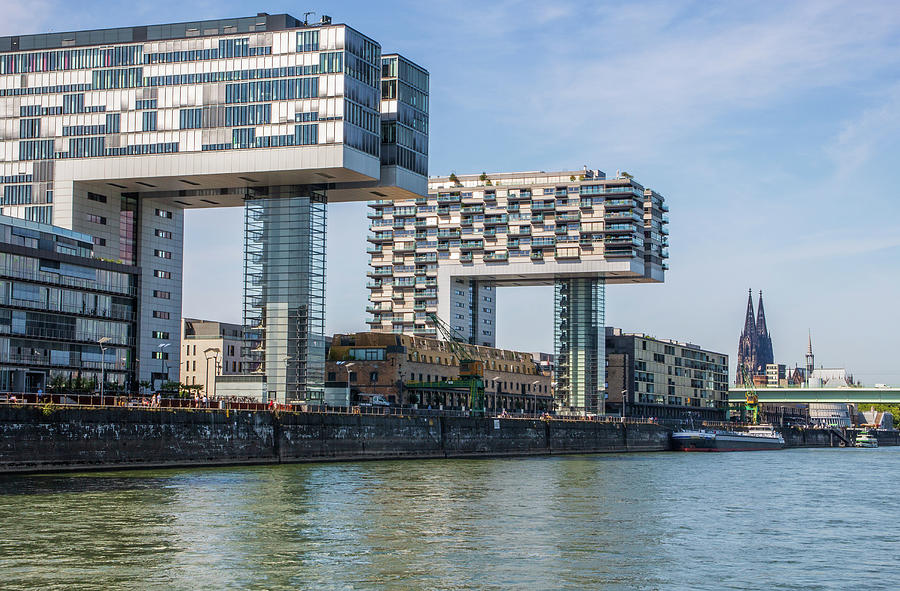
(580, 344)
(56, 302)
(404, 123)
(284, 291)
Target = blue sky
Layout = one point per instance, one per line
(770, 127)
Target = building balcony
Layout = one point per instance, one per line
(380, 272)
(374, 284)
(381, 237)
(622, 203)
(620, 228)
(497, 256)
(620, 253)
(537, 255)
(624, 215)
(465, 257)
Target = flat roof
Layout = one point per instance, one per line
(48, 228)
(139, 34)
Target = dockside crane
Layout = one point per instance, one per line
(751, 404)
(471, 366)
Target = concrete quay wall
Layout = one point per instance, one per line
(33, 439)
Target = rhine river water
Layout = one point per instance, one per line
(796, 519)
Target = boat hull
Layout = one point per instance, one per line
(699, 441)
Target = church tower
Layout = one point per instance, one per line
(747, 345)
(764, 354)
(810, 359)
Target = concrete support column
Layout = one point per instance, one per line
(284, 291)
(580, 344)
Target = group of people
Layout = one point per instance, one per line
(155, 401)
(200, 401)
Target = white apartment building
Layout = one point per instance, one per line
(446, 253)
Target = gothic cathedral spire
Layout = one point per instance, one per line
(747, 345)
(764, 353)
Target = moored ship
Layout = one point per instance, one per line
(866, 439)
(759, 437)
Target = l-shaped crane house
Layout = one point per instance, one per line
(447, 252)
(113, 133)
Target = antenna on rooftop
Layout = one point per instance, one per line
(306, 17)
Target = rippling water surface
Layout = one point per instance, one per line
(798, 519)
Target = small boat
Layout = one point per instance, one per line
(756, 438)
(866, 439)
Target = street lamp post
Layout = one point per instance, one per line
(624, 401)
(534, 395)
(215, 355)
(496, 380)
(102, 342)
(162, 361)
(347, 366)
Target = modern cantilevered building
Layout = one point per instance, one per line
(113, 133)
(445, 253)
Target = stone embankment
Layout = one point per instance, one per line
(46, 439)
(34, 439)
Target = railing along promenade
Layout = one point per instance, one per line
(135, 402)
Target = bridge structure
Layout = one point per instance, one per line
(844, 395)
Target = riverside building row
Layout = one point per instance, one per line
(447, 252)
(394, 366)
(113, 133)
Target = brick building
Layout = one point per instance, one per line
(385, 364)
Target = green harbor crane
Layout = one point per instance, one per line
(471, 367)
(751, 404)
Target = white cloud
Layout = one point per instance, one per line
(643, 75)
(860, 137)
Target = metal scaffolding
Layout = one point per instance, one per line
(284, 291)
